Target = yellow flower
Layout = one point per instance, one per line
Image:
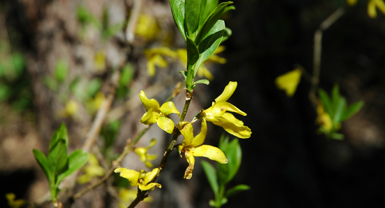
(203, 71)
(158, 115)
(144, 157)
(323, 118)
(91, 170)
(351, 2)
(127, 196)
(154, 57)
(12, 202)
(100, 60)
(372, 7)
(217, 114)
(142, 179)
(147, 27)
(289, 81)
(192, 146)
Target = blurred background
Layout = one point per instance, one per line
(58, 59)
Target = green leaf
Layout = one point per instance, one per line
(193, 10)
(223, 201)
(202, 81)
(212, 20)
(326, 102)
(93, 87)
(227, 33)
(210, 7)
(127, 75)
(50, 82)
(43, 163)
(352, 110)
(57, 155)
(192, 52)
(338, 111)
(76, 160)
(61, 70)
(18, 62)
(336, 136)
(211, 175)
(112, 30)
(178, 11)
(223, 141)
(335, 95)
(5, 92)
(234, 156)
(211, 42)
(184, 73)
(236, 189)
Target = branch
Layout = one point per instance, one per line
(318, 50)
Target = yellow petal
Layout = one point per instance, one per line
(162, 51)
(289, 81)
(204, 72)
(218, 109)
(220, 49)
(372, 9)
(166, 124)
(191, 161)
(233, 126)
(381, 5)
(213, 153)
(168, 108)
(150, 117)
(94, 170)
(200, 138)
(149, 186)
(323, 118)
(151, 157)
(159, 61)
(182, 55)
(148, 164)
(187, 131)
(141, 151)
(151, 68)
(351, 2)
(151, 175)
(92, 160)
(131, 175)
(216, 59)
(148, 103)
(227, 92)
(152, 143)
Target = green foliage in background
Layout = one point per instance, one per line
(225, 172)
(58, 165)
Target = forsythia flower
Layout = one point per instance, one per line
(372, 7)
(126, 196)
(192, 146)
(217, 114)
(144, 157)
(158, 115)
(100, 60)
(12, 202)
(154, 57)
(92, 170)
(323, 118)
(351, 2)
(147, 27)
(289, 81)
(142, 179)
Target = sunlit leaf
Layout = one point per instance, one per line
(236, 189)
(211, 175)
(76, 160)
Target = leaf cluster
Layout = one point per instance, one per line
(199, 23)
(336, 107)
(58, 165)
(219, 178)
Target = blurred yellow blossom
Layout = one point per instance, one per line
(144, 157)
(192, 146)
(217, 114)
(127, 196)
(351, 2)
(12, 203)
(91, 170)
(142, 179)
(147, 27)
(372, 5)
(154, 58)
(289, 81)
(100, 60)
(158, 115)
(324, 119)
(94, 104)
(70, 109)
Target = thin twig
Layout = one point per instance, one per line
(318, 50)
(115, 164)
(131, 24)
